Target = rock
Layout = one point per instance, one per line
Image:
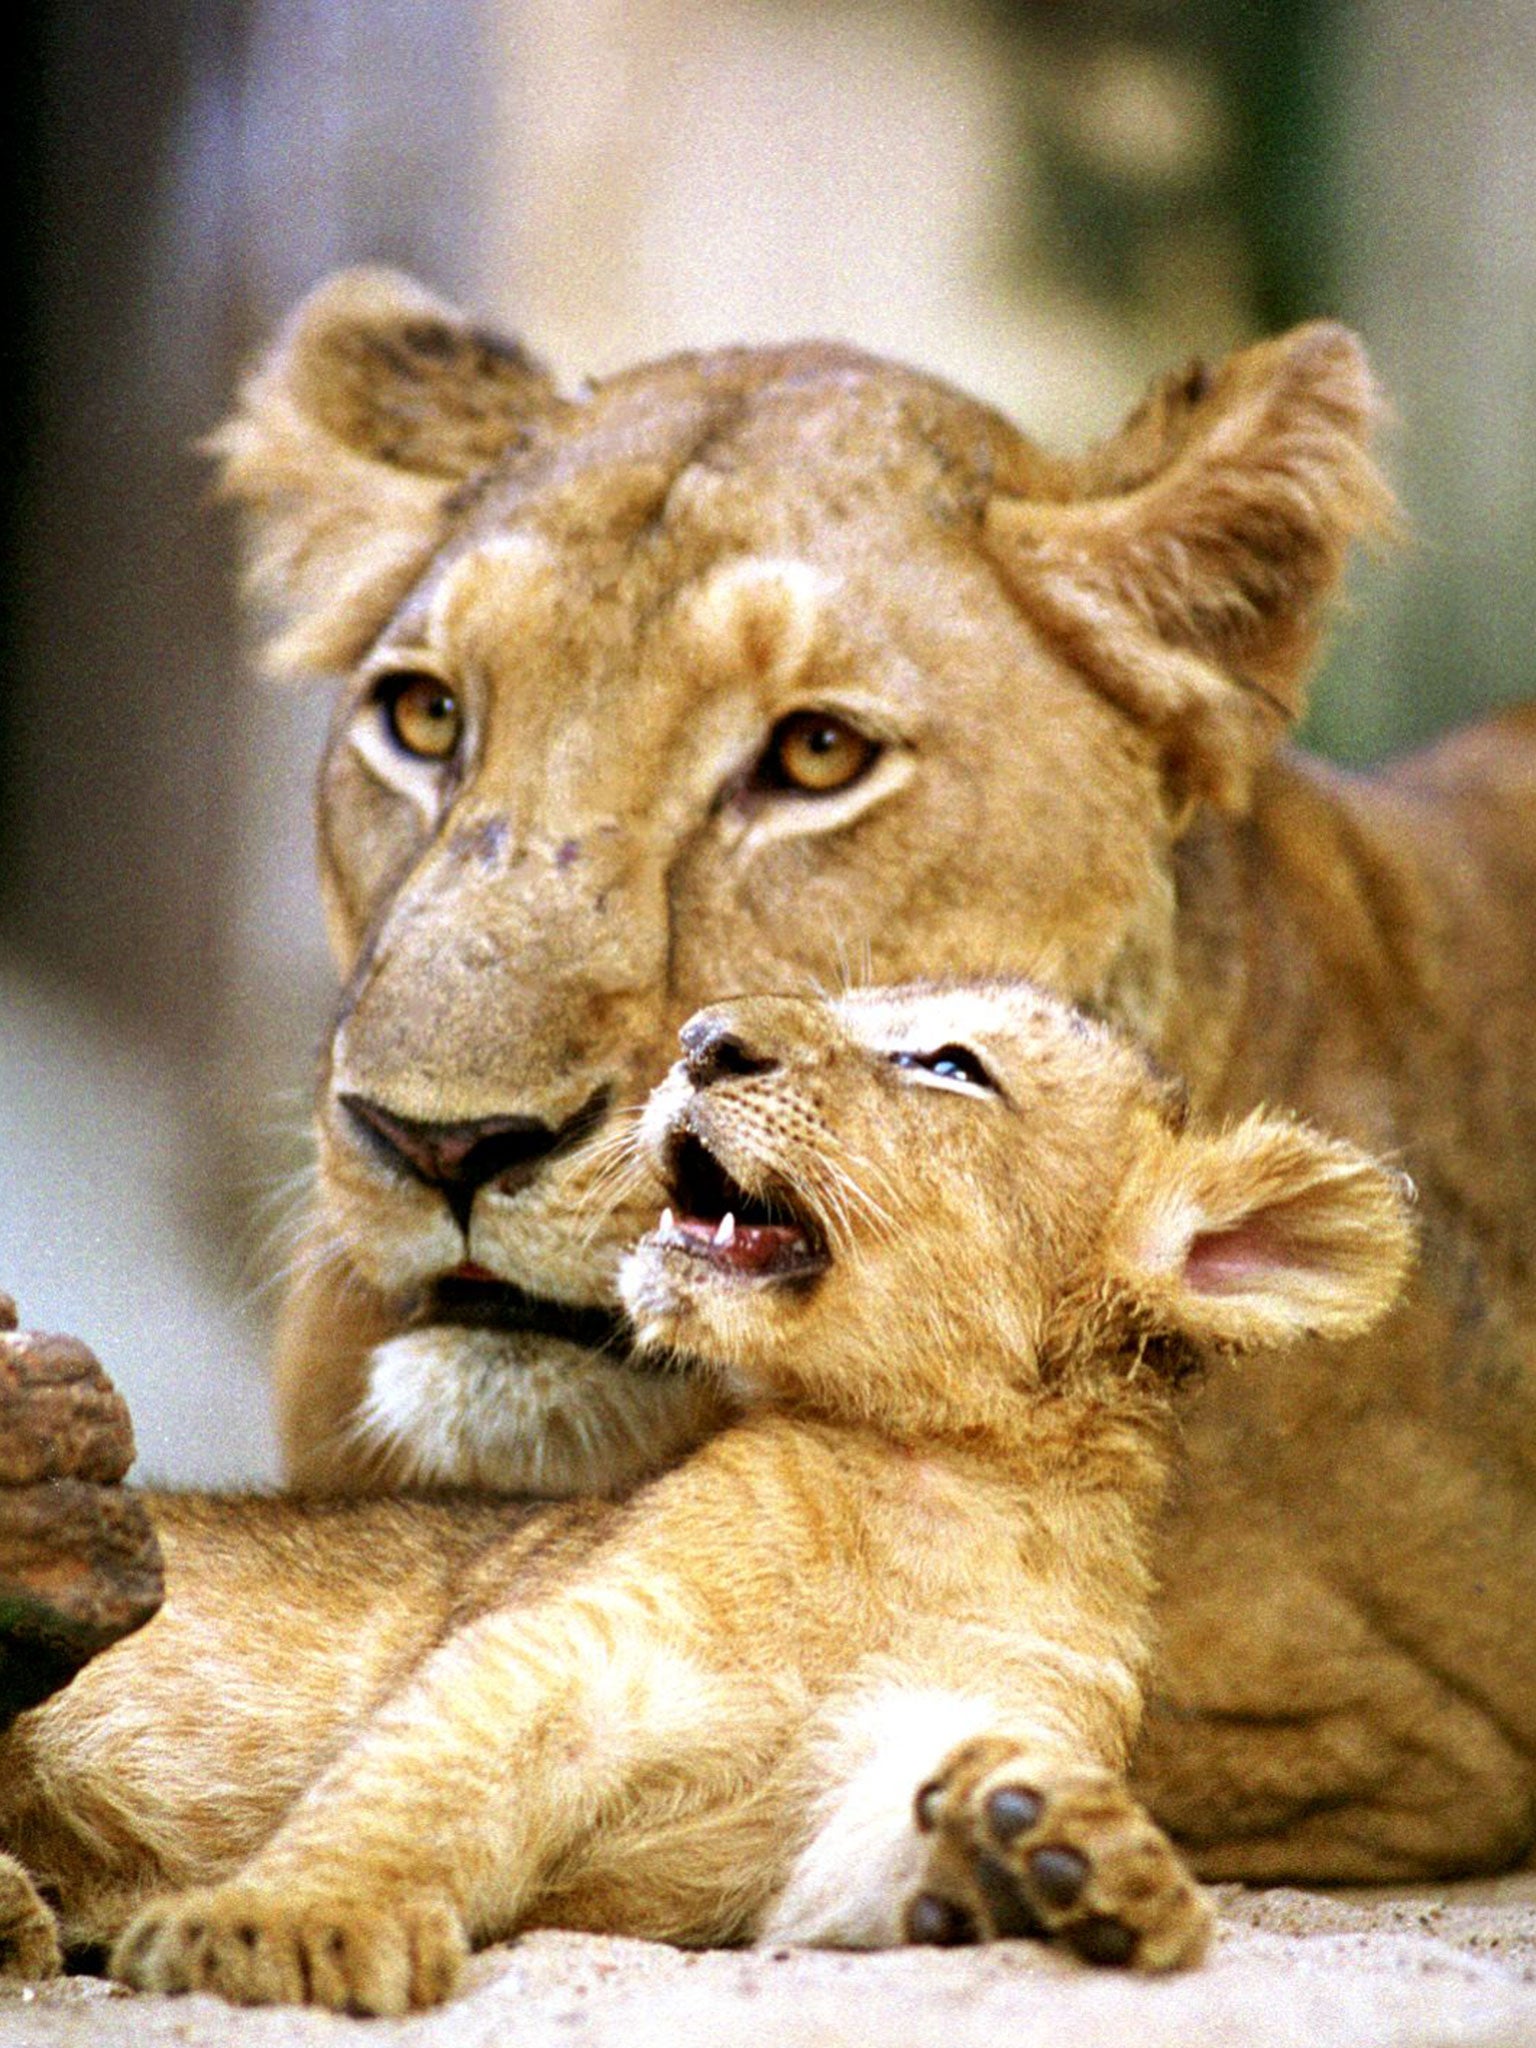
(60, 1416)
(79, 1561)
(79, 1567)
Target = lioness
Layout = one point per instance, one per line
(945, 1254)
(744, 669)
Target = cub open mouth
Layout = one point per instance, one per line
(712, 1217)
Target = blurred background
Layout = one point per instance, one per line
(1047, 203)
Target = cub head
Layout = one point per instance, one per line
(736, 671)
(909, 1207)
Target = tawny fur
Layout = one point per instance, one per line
(1076, 674)
(370, 1734)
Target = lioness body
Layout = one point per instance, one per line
(1345, 1571)
(1049, 694)
(459, 1719)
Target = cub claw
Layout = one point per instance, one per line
(1025, 1846)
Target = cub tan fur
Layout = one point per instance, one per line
(945, 1255)
(1047, 696)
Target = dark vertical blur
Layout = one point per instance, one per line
(1185, 122)
(23, 40)
(1279, 60)
(117, 680)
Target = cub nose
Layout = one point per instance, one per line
(459, 1159)
(714, 1049)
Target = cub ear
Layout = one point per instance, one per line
(1262, 1234)
(375, 403)
(1187, 567)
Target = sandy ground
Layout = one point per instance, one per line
(1442, 1967)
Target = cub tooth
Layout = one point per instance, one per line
(726, 1234)
(667, 1222)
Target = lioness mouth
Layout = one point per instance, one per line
(713, 1217)
(491, 1304)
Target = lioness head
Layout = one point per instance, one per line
(763, 668)
(905, 1208)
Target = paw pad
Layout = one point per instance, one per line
(1103, 1939)
(1012, 1810)
(927, 1806)
(1060, 1876)
(939, 1923)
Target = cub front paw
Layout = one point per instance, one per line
(1025, 1846)
(259, 1946)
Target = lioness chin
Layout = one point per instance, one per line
(925, 1530)
(764, 667)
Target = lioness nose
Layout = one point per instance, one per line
(714, 1049)
(458, 1159)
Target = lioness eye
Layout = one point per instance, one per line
(422, 713)
(949, 1063)
(816, 753)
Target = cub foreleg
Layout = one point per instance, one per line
(949, 1813)
(497, 1769)
(1015, 1834)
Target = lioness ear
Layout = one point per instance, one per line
(1261, 1234)
(376, 402)
(1188, 569)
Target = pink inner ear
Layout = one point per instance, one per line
(1228, 1261)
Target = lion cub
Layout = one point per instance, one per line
(950, 1252)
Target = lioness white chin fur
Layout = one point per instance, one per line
(922, 1539)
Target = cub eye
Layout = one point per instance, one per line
(949, 1063)
(816, 753)
(422, 714)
